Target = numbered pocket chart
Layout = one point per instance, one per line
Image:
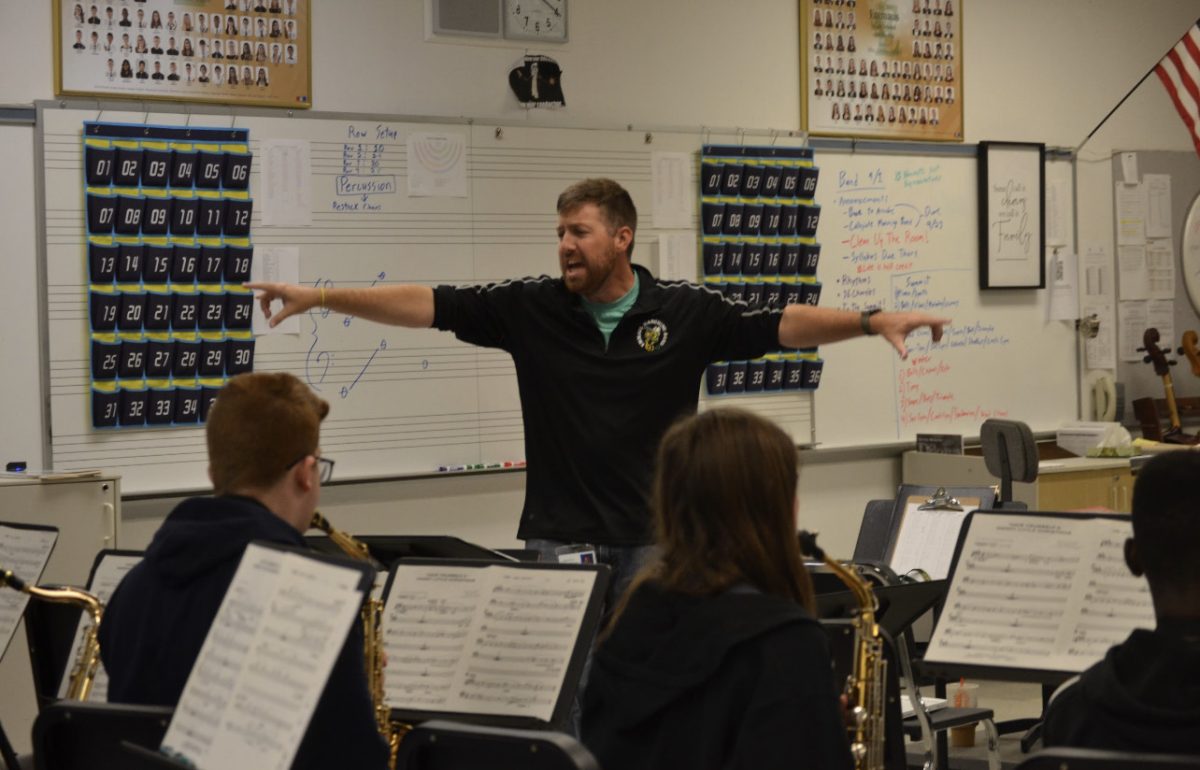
(759, 244)
(168, 248)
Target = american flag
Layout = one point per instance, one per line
(1179, 72)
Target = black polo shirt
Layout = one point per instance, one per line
(593, 416)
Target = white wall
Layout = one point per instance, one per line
(1033, 71)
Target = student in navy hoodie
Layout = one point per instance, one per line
(713, 658)
(266, 467)
(1144, 696)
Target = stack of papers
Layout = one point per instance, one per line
(931, 704)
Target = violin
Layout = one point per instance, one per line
(1188, 348)
(1162, 367)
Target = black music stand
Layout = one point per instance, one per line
(1094, 759)
(445, 745)
(70, 735)
(389, 548)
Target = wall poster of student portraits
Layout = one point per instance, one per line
(253, 52)
(883, 69)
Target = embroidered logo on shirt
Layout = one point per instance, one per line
(652, 335)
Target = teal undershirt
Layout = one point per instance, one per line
(608, 314)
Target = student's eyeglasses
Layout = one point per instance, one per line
(324, 467)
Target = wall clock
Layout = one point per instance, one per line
(544, 20)
(1190, 254)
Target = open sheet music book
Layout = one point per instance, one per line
(24, 551)
(501, 644)
(108, 569)
(1039, 592)
(266, 659)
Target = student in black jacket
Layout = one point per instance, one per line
(713, 659)
(266, 468)
(1144, 696)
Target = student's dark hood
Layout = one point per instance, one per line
(665, 645)
(1146, 692)
(202, 532)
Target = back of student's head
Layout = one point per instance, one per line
(260, 424)
(1166, 520)
(613, 200)
(724, 502)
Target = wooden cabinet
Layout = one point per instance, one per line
(87, 515)
(1087, 484)
(1062, 485)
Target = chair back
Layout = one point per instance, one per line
(69, 735)
(1010, 453)
(445, 745)
(1095, 759)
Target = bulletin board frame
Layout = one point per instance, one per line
(281, 63)
(911, 59)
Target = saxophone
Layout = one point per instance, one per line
(83, 673)
(864, 691)
(372, 620)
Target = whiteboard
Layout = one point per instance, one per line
(403, 401)
(900, 232)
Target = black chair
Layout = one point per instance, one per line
(69, 735)
(1010, 453)
(1093, 759)
(446, 745)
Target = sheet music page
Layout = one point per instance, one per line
(265, 662)
(492, 640)
(109, 572)
(24, 552)
(1040, 593)
(926, 539)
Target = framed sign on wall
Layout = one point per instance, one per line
(254, 52)
(1012, 215)
(884, 69)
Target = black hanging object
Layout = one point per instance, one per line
(538, 80)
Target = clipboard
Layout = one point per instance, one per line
(403, 585)
(16, 601)
(925, 526)
(1086, 585)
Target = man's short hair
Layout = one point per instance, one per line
(260, 425)
(1166, 520)
(616, 207)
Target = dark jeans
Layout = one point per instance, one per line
(623, 562)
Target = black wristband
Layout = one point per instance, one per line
(865, 320)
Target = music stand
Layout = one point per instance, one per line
(445, 745)
(899, 605)
(389, 548)
(70, 734)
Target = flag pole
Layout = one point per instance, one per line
(1130, 91)
(1124, 98)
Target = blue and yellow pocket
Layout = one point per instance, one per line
(106, 404)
